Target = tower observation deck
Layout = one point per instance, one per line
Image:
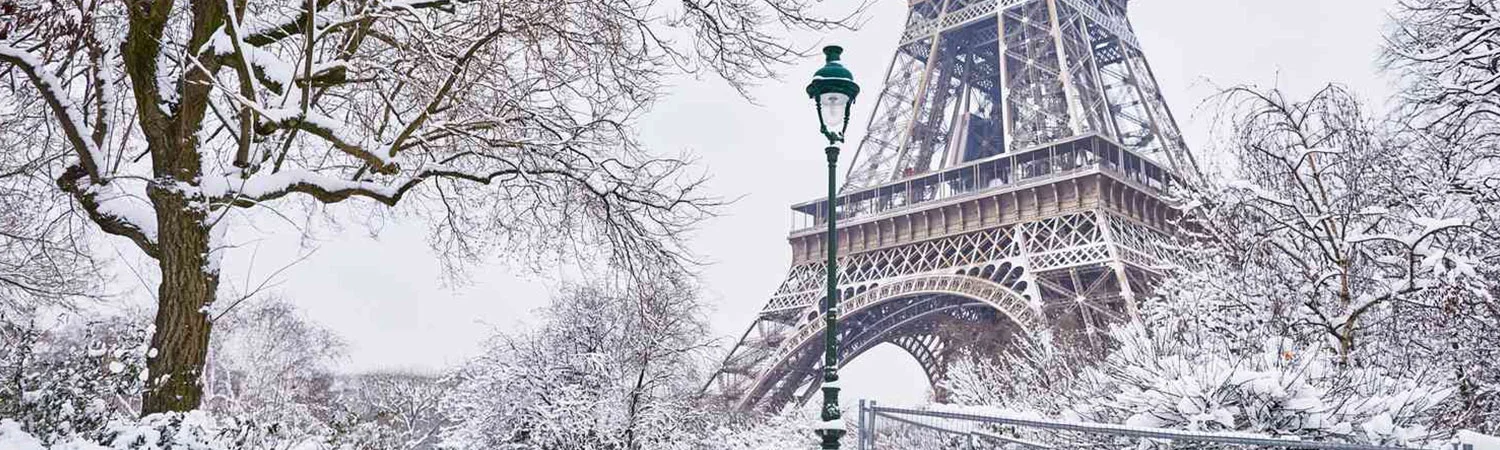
(1011, 181)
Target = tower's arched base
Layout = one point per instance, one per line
(931, 318)
(1069, 275)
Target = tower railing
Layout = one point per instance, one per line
(1037, 165)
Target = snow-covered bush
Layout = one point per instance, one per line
(790, 430)
(606, 369)
(200, 430)
(75, 381)
(194, 430)
(390, 410)
(1030, 375)
(70, 382)
(1278, 389)
(12, 437)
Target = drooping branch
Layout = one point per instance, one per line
(134, 224)
(69, 116)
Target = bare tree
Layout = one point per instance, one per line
(270, 367)
(607, 369)
(506, 123)
(392, 410)
(1444, 52)
(1321, 211)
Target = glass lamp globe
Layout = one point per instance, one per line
(833, 89)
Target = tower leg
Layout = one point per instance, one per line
(1132, 310)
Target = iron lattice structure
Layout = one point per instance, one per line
(1011, 183)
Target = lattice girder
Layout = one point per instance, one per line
(975, 78)
(803, 285)
(1051, 243)
(1048, 264)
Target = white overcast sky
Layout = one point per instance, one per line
(383, 295)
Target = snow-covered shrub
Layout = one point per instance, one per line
(70, 382)
(1030, 375)
(12, 437)
(200, 430)
(195, 430)
(390, 410)
(606, 369)
(268, 383)
(1279, 389)
(790, 430)
(1276, 388)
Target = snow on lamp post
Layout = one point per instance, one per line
(833, 91)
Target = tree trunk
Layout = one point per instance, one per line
(188, 284)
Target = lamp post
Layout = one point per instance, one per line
(833, 90)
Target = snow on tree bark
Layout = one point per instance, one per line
(182, 323)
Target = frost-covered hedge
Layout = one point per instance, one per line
(1280, 389)
(70, 382)
(1159, 380)
(196, 430)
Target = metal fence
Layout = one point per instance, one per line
(913, 429)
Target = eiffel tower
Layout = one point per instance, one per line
(1010, 186)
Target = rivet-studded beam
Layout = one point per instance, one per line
(976, 78)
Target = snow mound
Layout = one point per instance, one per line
(1479, 441)
(12, 437)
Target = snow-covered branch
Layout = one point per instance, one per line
(69, 115)
(1444, 50)
(114, 211)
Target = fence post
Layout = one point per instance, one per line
(870, 423)
(860, 441)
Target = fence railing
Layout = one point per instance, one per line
(913, 429)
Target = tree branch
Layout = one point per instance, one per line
(68, 115)
(142, 234)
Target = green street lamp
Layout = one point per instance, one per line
(833, 90)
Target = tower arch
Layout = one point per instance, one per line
(926, 315)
